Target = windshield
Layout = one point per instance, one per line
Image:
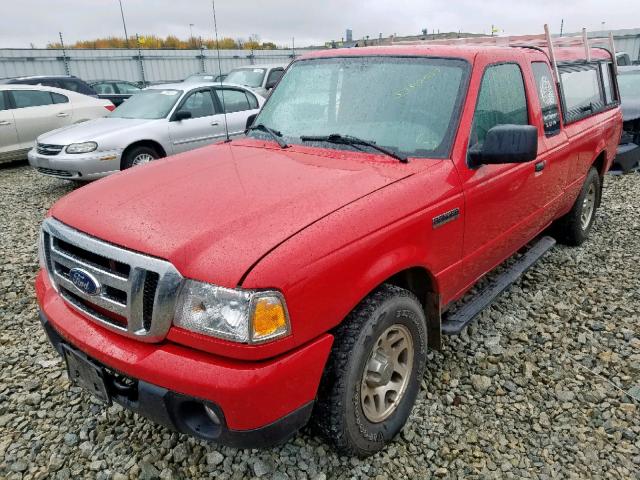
(408, 105)
(629, 84)
(251, 77)
(200, 77)
(148, 104)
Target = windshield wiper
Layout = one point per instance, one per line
(351, 140)
(275, 134)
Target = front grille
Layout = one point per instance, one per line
(56, 173)
(135, 293)
(48, 149)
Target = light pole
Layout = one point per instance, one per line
(124, 24)
(191, 42)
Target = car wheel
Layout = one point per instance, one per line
(374, 372)
(138, 156)
(573, 229)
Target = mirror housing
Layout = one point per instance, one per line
(250, 121)
(181, 115)
(506, 144)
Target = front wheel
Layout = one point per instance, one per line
(138, 156)
(374, 372)
(573, 229)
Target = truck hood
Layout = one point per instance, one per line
(215, 211)
(91, 130)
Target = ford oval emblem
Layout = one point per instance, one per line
(84, 281)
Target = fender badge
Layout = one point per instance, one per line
(445, 217)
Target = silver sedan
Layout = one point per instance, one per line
(159, 121)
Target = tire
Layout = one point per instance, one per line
(138, 156)
(345, 409)
(572, 228)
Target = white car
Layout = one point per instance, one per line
(156, 122)
(259, 78)
(27, 111)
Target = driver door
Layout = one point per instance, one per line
(202, 128)
(502, 201)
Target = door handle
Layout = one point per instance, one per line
(540, 166)
(5, 122)
(215, 124)
(62, 114)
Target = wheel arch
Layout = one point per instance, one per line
(157, 146)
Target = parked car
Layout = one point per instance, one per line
(159, 121)
(116, 91)
(66, 82)
(205, 77)
(628, 157)
(231, 291)
(27, 111)
(260, 78)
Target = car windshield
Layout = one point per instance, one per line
(629, 84)
(251, 77)
(200, 77)
(149, 104)
(406, 104)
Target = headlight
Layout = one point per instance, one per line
(245, 316)
(84, 147)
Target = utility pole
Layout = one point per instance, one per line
(561, 26)
(64, 56)
(191, 42)
(124, 24)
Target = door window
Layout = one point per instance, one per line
(199, 103)
(127, 88)
(31, 98)
(502, 100)
(233, 100)
(547, 97)
(104, 88)
(3, 103)
(273, 78)
(58, 98)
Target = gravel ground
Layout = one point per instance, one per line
(545, 385)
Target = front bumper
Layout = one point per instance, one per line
(258, 403)
(627, 157)
(187, 414)
(87, 166)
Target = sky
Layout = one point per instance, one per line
(37, 22)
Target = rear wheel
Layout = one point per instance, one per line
(574, 227)
(138, 156)
(374, 372)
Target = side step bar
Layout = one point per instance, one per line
(455, 322)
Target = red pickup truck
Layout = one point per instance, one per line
(302, 272)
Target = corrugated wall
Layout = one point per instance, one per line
(126, 65)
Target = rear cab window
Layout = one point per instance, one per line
(545, 87)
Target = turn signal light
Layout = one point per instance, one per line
(269, 318)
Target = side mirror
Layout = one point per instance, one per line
(270, 84)
(506, 144)
(250, 120)
(181, 115)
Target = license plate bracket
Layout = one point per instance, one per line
(86, 374)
